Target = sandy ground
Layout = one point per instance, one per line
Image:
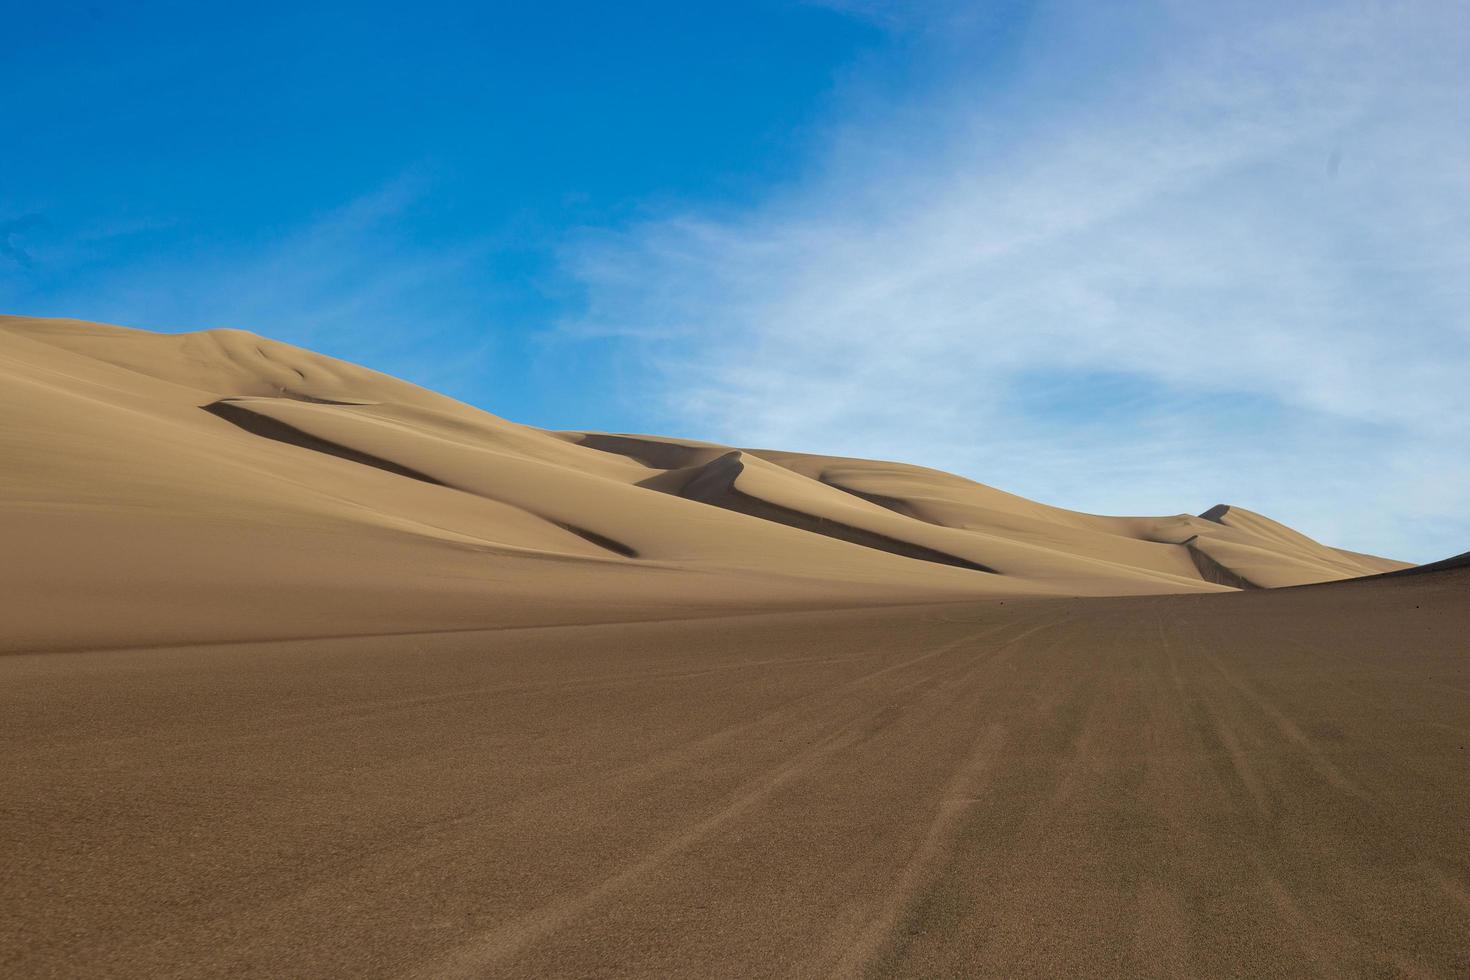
(1249, 784)
(307, 671)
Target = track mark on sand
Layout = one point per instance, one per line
(513, 937)
(1298, 925)
(1315, 756)
(959, 796)
(1452, 887)
(510, 939)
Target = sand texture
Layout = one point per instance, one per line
(1259, 784)
(308, 672)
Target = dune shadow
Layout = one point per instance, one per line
(714, 484)
(1213, 571)
(269, 428)
(650, 452)
(274, 429)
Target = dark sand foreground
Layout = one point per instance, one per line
(1250, 784)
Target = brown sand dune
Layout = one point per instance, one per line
(312, 672)
(1017, 537)
(168, 488)
(136, 508)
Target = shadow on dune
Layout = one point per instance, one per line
(269, 428)
(901, 507)
(1212, 571)
(714, 484)
(649, 452)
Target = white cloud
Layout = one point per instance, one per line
(352, 280)
(1230, 266)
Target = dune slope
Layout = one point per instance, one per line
(213, 486)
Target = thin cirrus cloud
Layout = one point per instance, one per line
(350, 280)
(1230, 267)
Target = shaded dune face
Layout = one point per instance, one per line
(717, 483)
(954, 520)
(269, 428)
(220, 485)
(1213, 571)
(262, 424)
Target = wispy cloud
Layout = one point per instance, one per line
(12, 235)
(1232, 267)
(352, 280)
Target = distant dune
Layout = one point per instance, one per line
(211, 486)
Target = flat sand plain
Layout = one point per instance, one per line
(1271, 783)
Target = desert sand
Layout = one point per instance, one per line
(311, 672)
(220, 486)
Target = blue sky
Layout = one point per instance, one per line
(1126, 258)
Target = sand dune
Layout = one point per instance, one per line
(312, 672)
(216, 486)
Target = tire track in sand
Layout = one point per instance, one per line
(959, 796)
(510, 939)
